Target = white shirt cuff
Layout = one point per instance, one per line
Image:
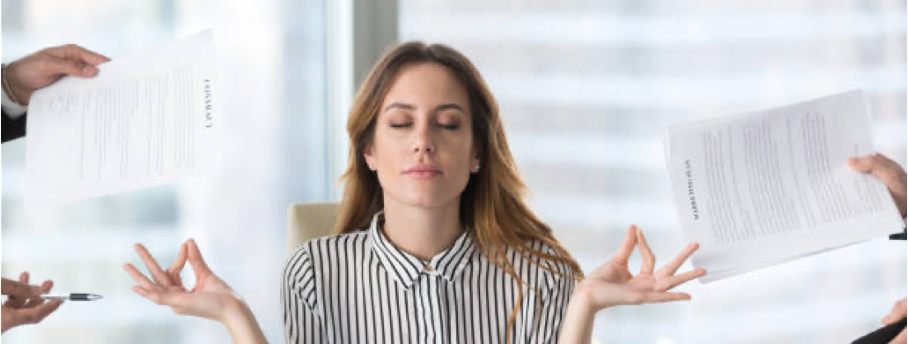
(11, 109)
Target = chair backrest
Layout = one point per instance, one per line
(306, 221)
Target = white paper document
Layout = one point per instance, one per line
(140, 122)
(767, 187)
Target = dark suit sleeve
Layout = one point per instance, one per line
(13, 128)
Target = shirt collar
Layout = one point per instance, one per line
(407, 268)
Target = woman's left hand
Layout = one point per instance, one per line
(613, 284)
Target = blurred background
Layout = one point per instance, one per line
(587, 90)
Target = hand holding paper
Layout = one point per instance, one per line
(888, 172)
(771, 186)
(45, 67)
(140, 122)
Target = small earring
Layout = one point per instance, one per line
(475, 168)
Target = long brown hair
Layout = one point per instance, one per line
(491, 207)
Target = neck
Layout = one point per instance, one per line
(422, 232)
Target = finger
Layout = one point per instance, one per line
(177, 266)
(861, 164)
(672, 266)
(138, 276)
(897, 172)
(19, 300)
(38, 290)
(85, 55)
(197, 262)
(658, 297)
(878, 166)
(886, 161)
(57, 66)
(75, 52)
(37, 314)
(897, 313)
(14, 288)
(674, 281)
(152, 265)
(649, 259)
(900, 339)
(178, 263)
(172, 299)
(627, 246)
(149, 294)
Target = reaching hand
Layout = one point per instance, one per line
(46, 66)
(898, 312)
(887, 171)
(210, 298)
(21, 307)
(613, 284)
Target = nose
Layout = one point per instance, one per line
(422, 140)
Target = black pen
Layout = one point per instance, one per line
(72, 297)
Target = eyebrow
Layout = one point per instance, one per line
(437, 108)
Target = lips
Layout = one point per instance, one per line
(423, 171)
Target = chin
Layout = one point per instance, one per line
(426, 199)
(423, 202)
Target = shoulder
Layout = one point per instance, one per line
(550, 272)
(311, 255)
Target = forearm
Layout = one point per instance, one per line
(242, 325)
(577, 327)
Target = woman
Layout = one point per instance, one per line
(435, 242)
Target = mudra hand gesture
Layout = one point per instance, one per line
(613, 284)
(211, 297)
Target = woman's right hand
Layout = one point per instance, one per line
(211, 297)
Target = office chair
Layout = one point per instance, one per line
(306, 221)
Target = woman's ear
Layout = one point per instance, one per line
(370, 157)
(474, 167)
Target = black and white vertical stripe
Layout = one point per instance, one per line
(359, 288)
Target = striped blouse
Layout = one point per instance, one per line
(359, 288)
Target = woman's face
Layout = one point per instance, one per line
(422, 149)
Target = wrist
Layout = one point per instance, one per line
(241, 323)
(582, 300)
(235, 310)
(17, 92)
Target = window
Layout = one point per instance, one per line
(272, 151)
(588, 88)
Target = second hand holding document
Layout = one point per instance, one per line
(768, 187)
(141, 122)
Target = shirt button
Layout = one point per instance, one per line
(431, 270)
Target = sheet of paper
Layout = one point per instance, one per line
(140, 122)
(767, 187)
